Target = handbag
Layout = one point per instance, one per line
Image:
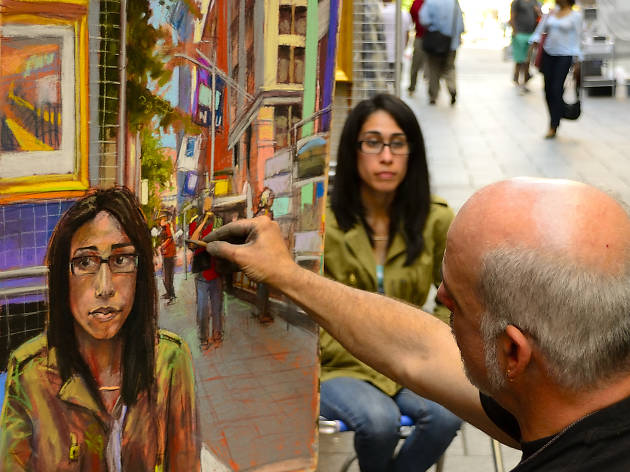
(572, 111)
(539, 51)
(436, 43)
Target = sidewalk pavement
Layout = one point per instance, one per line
(256, 390)
(494, 132)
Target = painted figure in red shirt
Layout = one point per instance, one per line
(207, 280)
(168, 251)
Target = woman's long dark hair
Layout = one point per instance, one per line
(412, 201)
(139, 331)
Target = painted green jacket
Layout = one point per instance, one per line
(349, 258)
(47, 424)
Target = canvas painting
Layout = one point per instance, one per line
(129, 131)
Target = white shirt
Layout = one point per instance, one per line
(564, 34)
(388, 13)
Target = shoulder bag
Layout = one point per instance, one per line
(539, 51)
(436, 43)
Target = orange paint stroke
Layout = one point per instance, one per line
(280, 356)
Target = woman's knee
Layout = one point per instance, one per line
(449, 421)
(381, 422)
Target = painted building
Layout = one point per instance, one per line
(279, 53)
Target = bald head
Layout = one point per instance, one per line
(551, 258)
(562, 218)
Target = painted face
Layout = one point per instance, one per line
(101, 301)
(382, 172)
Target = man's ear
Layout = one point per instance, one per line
(516, 350)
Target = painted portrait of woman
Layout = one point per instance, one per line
(102, 388)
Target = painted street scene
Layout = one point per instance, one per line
(132, 130)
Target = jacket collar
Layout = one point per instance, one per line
(75, 390)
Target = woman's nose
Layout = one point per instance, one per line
(386, 154)
(103, 285)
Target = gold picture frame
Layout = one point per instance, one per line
(59, 52)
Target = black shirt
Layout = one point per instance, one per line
(599, 442)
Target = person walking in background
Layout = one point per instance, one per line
(560, 49)
(385, 233)
(388, 14)
(208, 284)
(418, 58)
(444, 16)
(524, 16)
(168, 251)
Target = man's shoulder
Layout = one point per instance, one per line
(598, 441)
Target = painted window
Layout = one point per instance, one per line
(285, 117)
(292, 20)
(290, 64)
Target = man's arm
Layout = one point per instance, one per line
(397, 339)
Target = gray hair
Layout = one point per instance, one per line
(578, 318)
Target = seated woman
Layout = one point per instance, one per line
(102, 388)
(385, 233)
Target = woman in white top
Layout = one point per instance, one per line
(561, 48)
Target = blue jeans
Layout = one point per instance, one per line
(375, 418)
(209, 295)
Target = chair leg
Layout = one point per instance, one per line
(497, 455)
(439, 465)
(348, 462)
(462, 433)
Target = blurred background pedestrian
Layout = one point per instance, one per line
(559, 35)
(524, 16)
(418, 58)
(445, 17)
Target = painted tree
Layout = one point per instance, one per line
(149, 69)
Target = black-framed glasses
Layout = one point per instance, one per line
(117, 263)
(397, 146)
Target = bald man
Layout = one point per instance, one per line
(536, 275)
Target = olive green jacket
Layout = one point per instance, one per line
(349, 258)
(48, 424)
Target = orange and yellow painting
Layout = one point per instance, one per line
(129, 130)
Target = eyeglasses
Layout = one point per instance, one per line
(117, 263)
(398, 147)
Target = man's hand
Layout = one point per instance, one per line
(257, 247)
